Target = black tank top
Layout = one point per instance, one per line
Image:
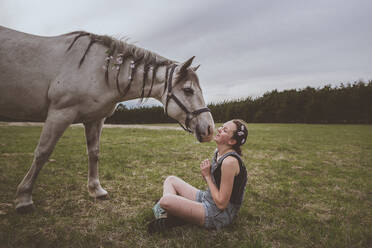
(240, 180)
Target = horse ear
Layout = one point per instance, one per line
(195, 68)
(187, 64)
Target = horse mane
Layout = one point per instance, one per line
(124, 50)
(120, 47)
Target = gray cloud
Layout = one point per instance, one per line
(245, 47)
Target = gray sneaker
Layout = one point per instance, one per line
(158, 211)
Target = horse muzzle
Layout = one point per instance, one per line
(204, 133)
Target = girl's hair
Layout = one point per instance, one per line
(240, 135)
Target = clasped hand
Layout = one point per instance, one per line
(205, 168)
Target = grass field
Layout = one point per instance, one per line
(309, 186)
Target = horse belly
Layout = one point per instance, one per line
(23, 103)
(23, 91)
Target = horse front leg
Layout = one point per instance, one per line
(54, 126)
(92, 134)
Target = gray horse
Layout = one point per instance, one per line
(79, 77)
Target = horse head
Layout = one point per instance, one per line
(184, 101)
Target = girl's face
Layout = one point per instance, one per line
(225, 134)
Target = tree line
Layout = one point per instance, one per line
(346, 103)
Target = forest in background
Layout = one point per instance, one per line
(346, 103)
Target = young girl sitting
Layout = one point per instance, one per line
(226, 177)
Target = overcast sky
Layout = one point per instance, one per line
(245, 48)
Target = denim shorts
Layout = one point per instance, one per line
(214, 217)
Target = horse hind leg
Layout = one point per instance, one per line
(53, 129)
(93, 133)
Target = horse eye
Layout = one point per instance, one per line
(188, 91)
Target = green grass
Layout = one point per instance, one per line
(309, 186)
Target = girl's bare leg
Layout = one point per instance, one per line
(184, 208)
(176, 186)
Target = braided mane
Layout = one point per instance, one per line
(126, 51)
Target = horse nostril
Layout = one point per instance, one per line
(209, 130)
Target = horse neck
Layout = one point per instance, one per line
(144, 83)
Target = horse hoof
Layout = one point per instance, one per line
(25, 209)
(103, 197)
